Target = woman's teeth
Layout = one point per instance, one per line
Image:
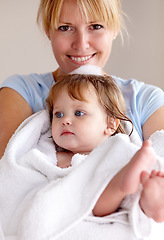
(80, 59)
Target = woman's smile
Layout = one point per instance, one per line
(81, 59)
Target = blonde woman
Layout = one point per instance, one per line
(81, 32)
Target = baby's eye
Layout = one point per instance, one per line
(79, 113)
(64, 28)
(96, 27)
(59, 114)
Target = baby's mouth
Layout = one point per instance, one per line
(65, 132)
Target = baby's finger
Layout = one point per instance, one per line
(144, 177)
(153, 173)
(160, 174)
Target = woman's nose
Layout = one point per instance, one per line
(80, 41)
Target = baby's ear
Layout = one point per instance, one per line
(112, 125)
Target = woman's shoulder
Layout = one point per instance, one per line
(33, 79)
(33, 88)
(132, 83)
(136, 88)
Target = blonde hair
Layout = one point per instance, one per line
(105, 87)
(108, 11)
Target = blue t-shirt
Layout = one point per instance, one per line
(141, 99)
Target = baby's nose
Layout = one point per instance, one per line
(66, 121)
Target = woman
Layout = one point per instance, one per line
(80, 32)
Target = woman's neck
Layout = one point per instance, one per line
(55, 74)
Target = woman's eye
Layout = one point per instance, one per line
(59, 114)
(96, 27)
(64, 28)
(79, 113)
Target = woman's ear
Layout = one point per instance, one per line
(112, 125)
(115, 35)
(48, 34)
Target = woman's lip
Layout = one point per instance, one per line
(80, 59)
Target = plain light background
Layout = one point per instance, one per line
(25, 49)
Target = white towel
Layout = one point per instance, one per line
(39, 201)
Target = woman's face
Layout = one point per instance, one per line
(77, 42)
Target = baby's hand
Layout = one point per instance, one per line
(152, 196)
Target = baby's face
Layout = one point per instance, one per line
(79, 126)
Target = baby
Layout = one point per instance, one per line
(84, 111)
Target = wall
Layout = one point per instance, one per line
(142, 55)
(25, 49)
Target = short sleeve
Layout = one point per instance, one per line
(150, 98)
(142, 100)
(33, 88)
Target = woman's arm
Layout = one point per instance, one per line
(13, 110)
(155, 122)
(153, 186)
